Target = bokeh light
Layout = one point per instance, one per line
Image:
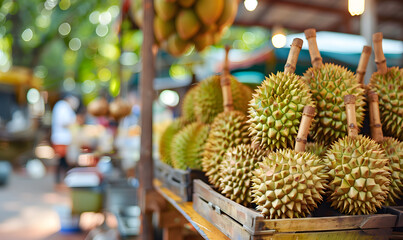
(33, 96)
(75, 44)
(169, 98)
(27, 35)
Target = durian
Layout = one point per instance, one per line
(392, 147)
(329, 83)
(165, 141)
(394, 152)
(237, 170)
(359, 171)
(229, 129)
(288, 184)
(276, 108)
(209, 100)
(187, 146)
(188, 105)
(389, 87)
(388, 84)
(317, 148)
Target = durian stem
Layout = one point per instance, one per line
(380, 59)
(226, 84)
(293, 56)
(307, 116)
(363, 63)
(316, 59)
(374, 117)
(352, 129)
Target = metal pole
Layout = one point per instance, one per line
(147, 96)
(368, 26)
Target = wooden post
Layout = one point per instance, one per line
(226, 84)
(316, 59)
(374, 117)
(147, 95)
(368, 25)
(349, 101)
(362, 64)
(293, 55)
(380, 59)
(307, 116)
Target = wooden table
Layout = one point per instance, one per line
(205, 228)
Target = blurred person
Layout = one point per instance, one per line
(63, 116)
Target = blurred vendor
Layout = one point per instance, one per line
(63, 116)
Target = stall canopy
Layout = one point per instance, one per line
(297, 15)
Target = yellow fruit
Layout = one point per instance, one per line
(203, 40)
(187, 24)
(165, 10)
(177, 46)
(229, 13)
(186, 3)
(209, 11)
(163, 29)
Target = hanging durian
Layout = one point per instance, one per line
(329, 83)
(276, 108)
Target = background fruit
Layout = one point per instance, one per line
(188, 145)
(229, 129)
(237, 170)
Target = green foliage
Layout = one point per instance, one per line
(43, 34)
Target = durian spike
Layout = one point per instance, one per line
(349, 101)
(363, 63)
(374, 117)
(307, 116)
(293, 55)
(226, 84)
(316, 59)
(380, 59)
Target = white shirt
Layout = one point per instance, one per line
(62, 116)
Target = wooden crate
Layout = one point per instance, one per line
(178, 181)
(239, 222)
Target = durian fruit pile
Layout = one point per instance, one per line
(199, 139)
(179, 24)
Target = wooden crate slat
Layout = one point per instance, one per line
(398, 211)
(208, 201)
(328, 223)
(242, 214)
(226, 225)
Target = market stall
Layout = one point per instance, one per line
(255, 186)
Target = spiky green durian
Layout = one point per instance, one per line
(289, 184)
(229, 129)
(209, 100)
(394, 152)
(166, 139)
(316, 148)
(359, 175)
(329, 84)
(389, 88)
(237, 171)
(276, 109)
(188, 105)
(187, 146)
